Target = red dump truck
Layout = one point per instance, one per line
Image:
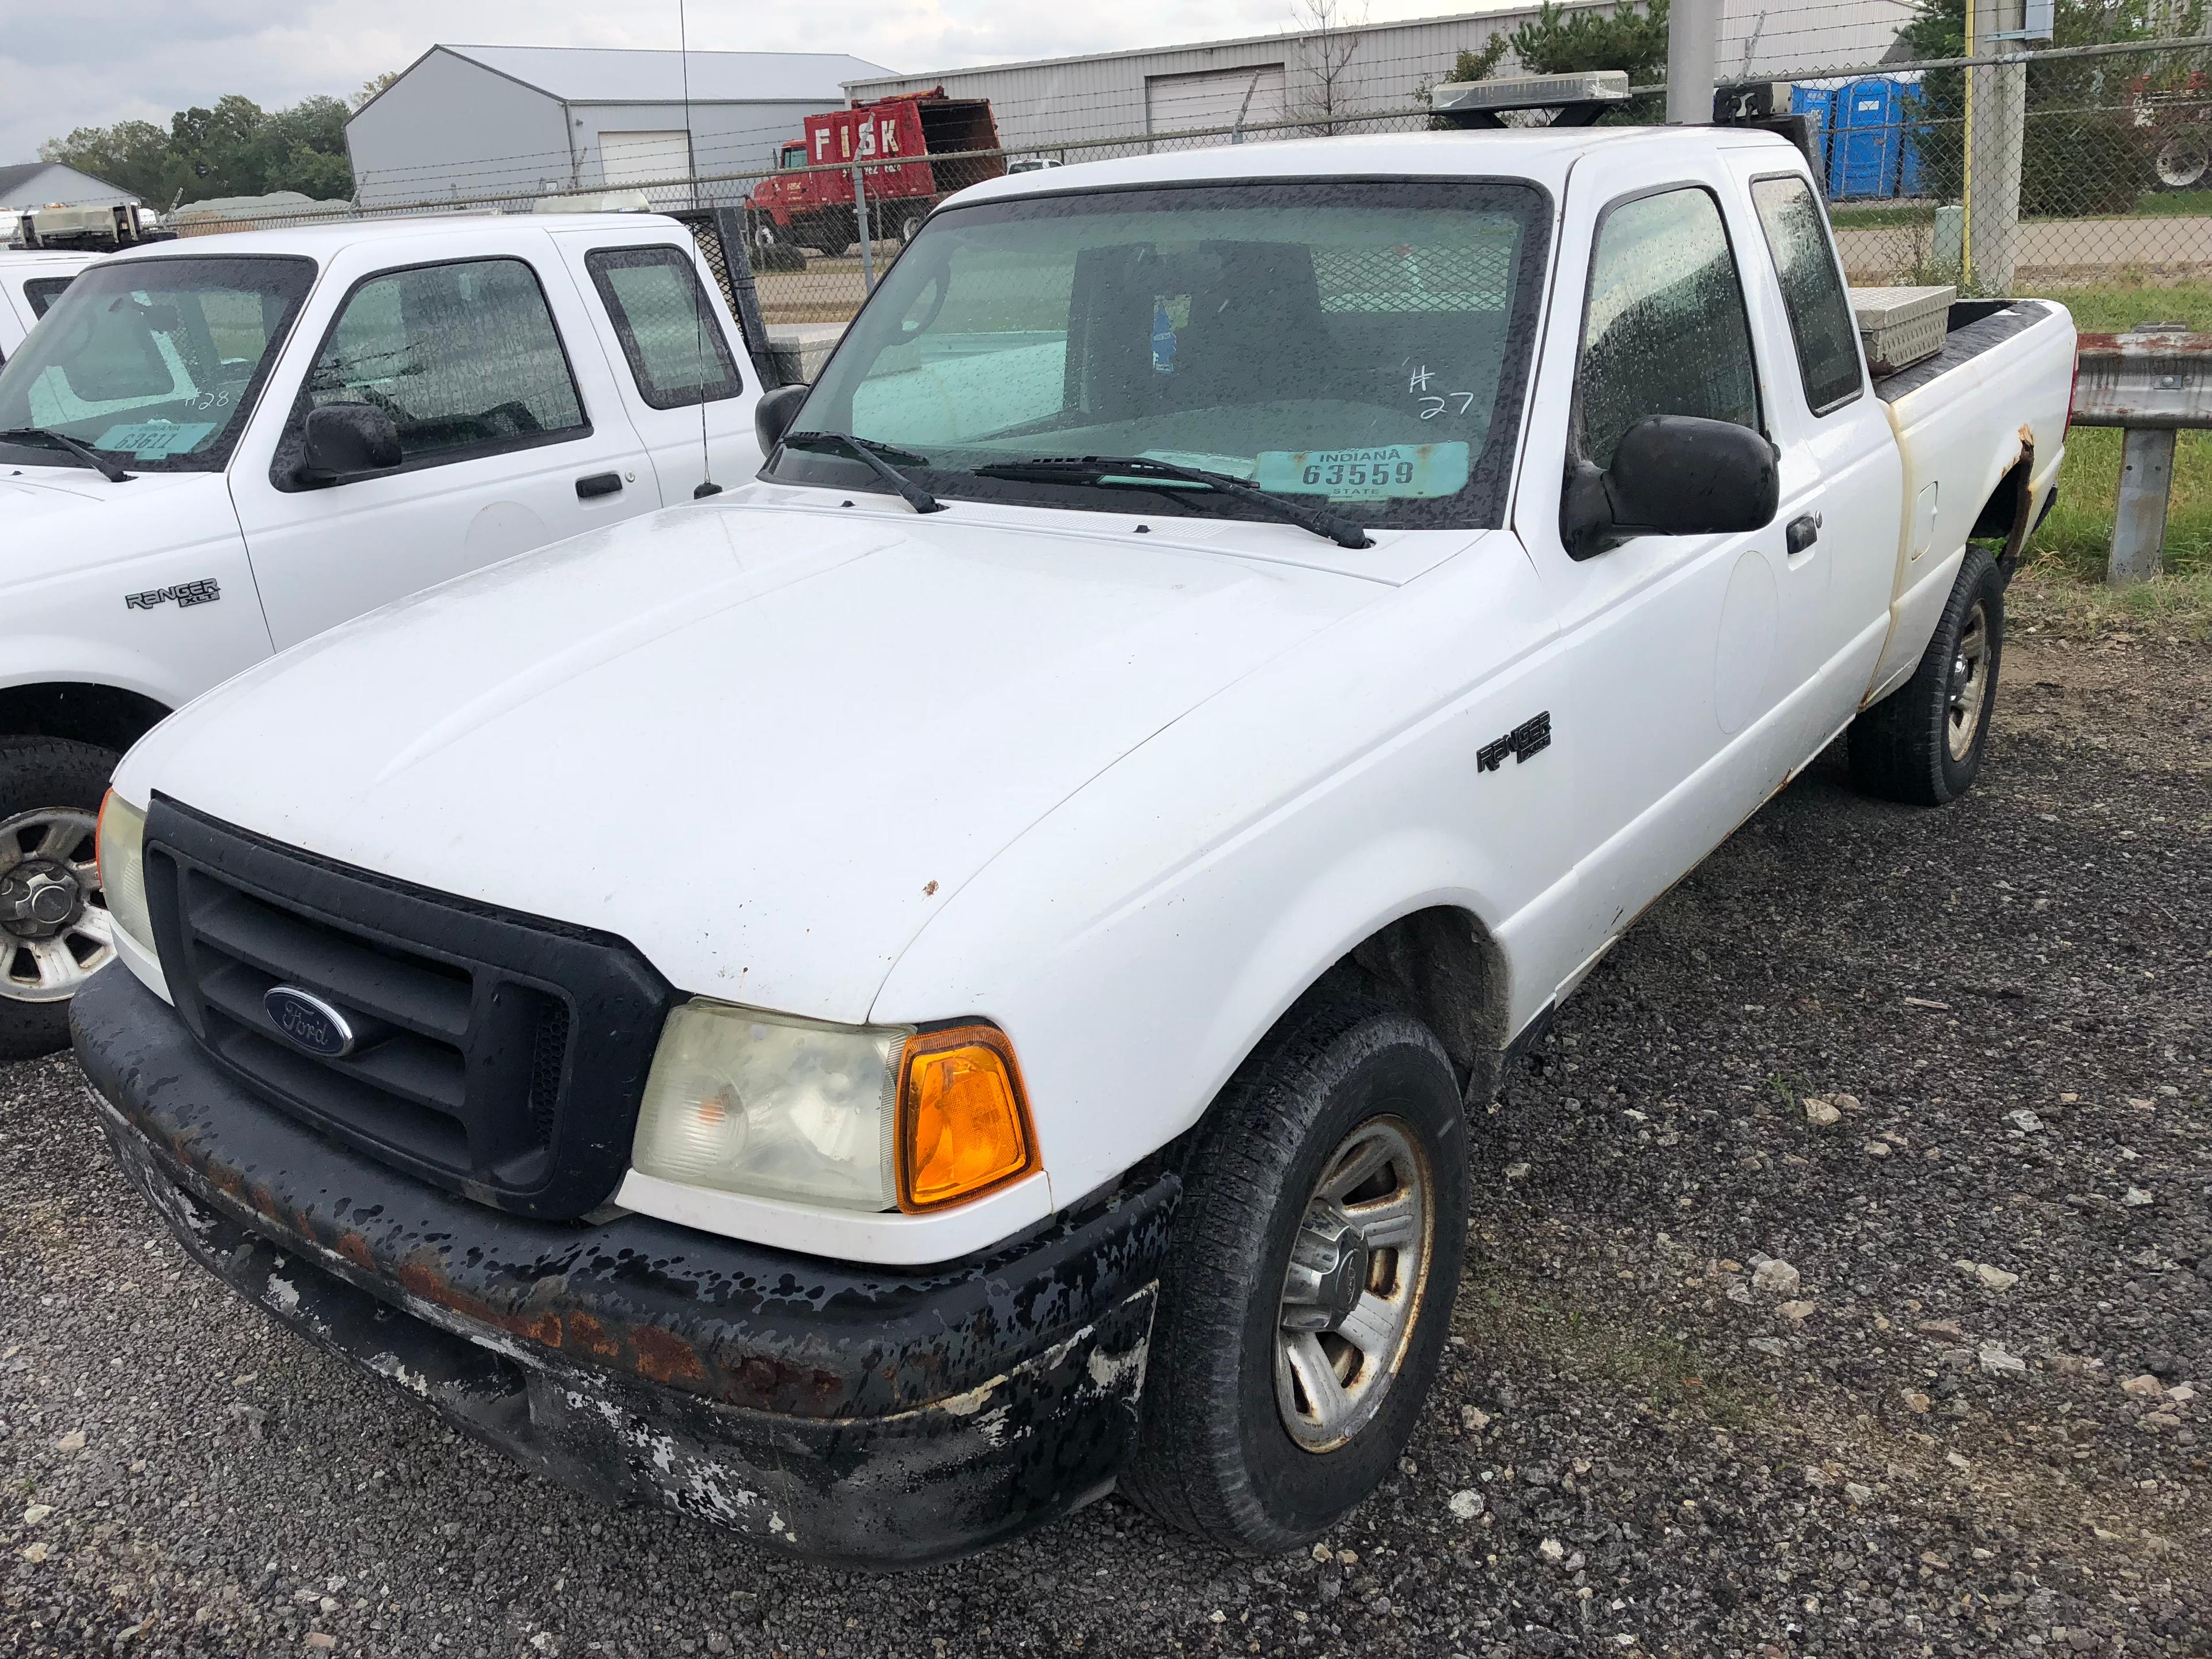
(911, 149)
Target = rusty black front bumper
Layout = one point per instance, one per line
(838, 1413)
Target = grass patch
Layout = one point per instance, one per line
(2051, 595)
(1882, 215)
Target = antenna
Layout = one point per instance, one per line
(707, 485)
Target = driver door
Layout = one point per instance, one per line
(512, 436)
(1681, 716)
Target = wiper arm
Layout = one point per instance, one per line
(1044, 469)
(877, 459)
(92, 458)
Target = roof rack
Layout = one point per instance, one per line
(1578, 99)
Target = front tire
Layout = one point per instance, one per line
(1922, 744)
(54, 931)
(1309, 1290)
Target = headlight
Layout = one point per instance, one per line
(121, 849)
(861, 1117)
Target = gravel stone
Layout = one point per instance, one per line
(1775, 1277)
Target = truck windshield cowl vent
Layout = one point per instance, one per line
(498, 1054)
(1576, 100)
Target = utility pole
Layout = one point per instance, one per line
(1997, 132)
(1693, 44)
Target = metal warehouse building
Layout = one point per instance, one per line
(469, 122)
(1292, 79)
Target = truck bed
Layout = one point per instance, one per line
(2005, 372)
(1975, 326)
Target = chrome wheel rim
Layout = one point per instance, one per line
(1352, 1288)
(1970, 679)
(2183, 160)
(54, 929)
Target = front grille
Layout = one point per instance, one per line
(498, 1054)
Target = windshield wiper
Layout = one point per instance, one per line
(1096, 469)
(92, 458)
(877, 460)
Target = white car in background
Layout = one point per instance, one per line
(212, 449)
(30, 281)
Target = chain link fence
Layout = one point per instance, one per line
(2055, 170)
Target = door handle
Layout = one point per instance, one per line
(600, 483)
(1803, 531)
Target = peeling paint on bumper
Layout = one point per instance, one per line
(829, 1411)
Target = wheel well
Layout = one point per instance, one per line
(102, 714)
(1441, 966)
(2005, 517)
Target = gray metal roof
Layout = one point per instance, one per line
(18, 177)
(21, 173)
(606, 74)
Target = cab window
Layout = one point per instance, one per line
(464, 357)
(1664, 330)
(1821, 321)
(673, 341)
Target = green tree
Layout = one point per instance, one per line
(2083, 152)
(370, 87)
(1555, 41)
(1632, 38)
(130, 153)
(234, 148)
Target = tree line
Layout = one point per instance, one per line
(235, 148)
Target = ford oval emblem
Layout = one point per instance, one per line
(307, 1022)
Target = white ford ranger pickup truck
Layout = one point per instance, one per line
(875, 1007)
(212, 448)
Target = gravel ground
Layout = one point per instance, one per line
(1840, 1276)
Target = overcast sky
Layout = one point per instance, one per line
(90, 63)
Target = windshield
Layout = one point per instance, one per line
(1358, 344)
(152, 362)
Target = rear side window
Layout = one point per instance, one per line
(1812, 290)
(677, 352)
(1664, 332)
(463, 357)
(43, 291)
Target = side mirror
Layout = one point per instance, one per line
(774, 412)
(344, 441)
(1672, 475)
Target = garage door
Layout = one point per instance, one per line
(1252, 96)
(638, 158)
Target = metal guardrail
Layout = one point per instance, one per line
(2150, 382)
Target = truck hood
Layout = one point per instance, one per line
(111, 521)
(763, 743)
(28, 493)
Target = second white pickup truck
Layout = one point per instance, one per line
(874, 1008)
(213, 448)
(30, 281)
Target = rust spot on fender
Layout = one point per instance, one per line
(588, 1335)
(355, 1248)
(663, 1357)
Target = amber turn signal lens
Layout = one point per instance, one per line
(963, 1123)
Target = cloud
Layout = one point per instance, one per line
(92, 63)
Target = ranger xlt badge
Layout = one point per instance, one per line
(1523, 741)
